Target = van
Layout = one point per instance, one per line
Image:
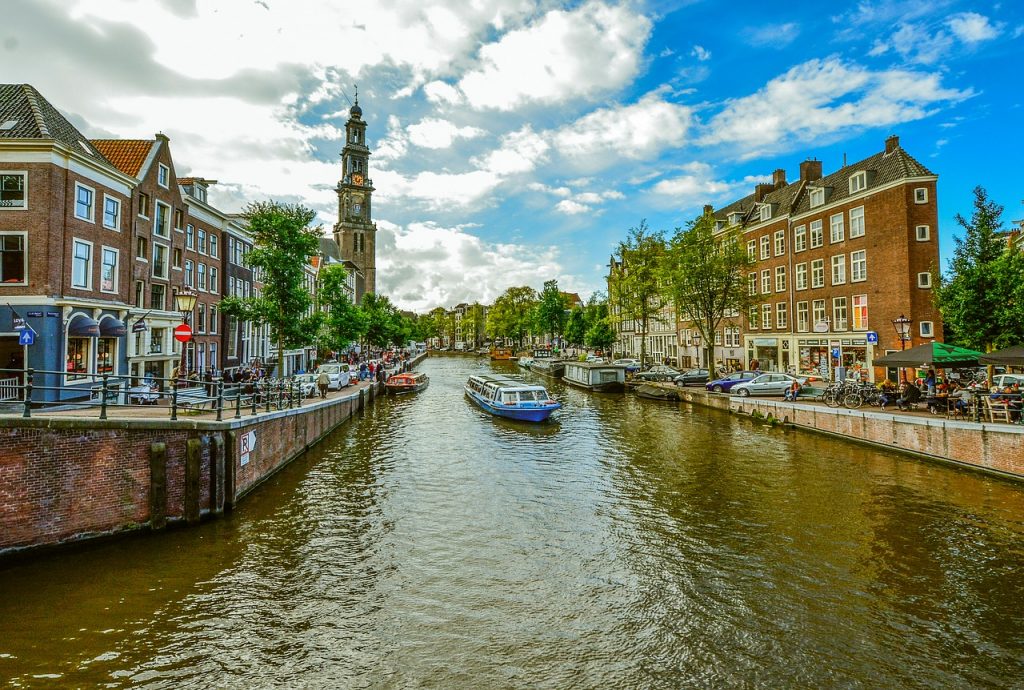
(338, 373)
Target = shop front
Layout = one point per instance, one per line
(840, 358)
(765, 353)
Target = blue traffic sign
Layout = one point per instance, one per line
(27, 337)
(873, 337)
(835, 352)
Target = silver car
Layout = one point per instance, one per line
(766, 384)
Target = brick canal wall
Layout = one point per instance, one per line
(66, 479)
(995, 448)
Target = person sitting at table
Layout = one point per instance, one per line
(909, 396)
(792, 392)
(959, 398)
(888, 394)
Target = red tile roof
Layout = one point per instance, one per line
(127, 155)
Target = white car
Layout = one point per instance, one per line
(1001, 381)
(630, 364)
(307, 384)
(338, 373)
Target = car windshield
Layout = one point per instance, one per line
(734, 377)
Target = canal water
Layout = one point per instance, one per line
(630, 544)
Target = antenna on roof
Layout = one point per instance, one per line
(844, 159)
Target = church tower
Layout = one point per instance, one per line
(355, 232)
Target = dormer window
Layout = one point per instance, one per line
(817, 197)
(858, 182)
(735, 218)
(719, 224)
(765, 211)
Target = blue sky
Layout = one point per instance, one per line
(518, 140)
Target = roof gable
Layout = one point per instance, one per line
(30, 116)
(127, 155)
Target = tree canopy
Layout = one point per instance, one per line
(550, 312)
(341, 322)
(635, 279)
(510, 317)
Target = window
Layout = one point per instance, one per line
(839, 269)
(781, 315)
(111, 213)
(801, 276)
(751, 283)
(927, 331)
(190, 236)
(780, 279)
(213, 245)
(201, 276)
(189, 276)
(81, 265)
(818, 273)
(923, 233)
(156, 341)
(108, 270)
(13, 258)
(924, 280)
(142, 249)
(860, 312)
(836, 228)
(157, 293)
(179, 218)
(858, 182)
(213, 355)
(144, 205)
(105, 355)
(766, 281)
(921, 195)
(213, 320)
(79, 358)
(752, 317)
(201, 318)
(780, 242)
(766, 246)
(818, 311)
(802, 317)
(765, 211)
(163, 217)
(84, 197)
(816, 235)
(202, 242)
(140, 291)
(858, 266)
(766, 315)
(159, 260)
(163, 175)
(213, 280)
(817, 197)
(857, 222)
(839, 313)
(176, 258)
(13, 190)
(232, 332)
(718, 337)
(799, 238)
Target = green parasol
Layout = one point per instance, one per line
(931, 354)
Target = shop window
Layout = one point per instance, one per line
(79, 356)
(106, 355)
(13, 258)
(156, 341)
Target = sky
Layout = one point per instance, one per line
(516, 141)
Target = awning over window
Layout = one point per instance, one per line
(113, 328)
(84, 327)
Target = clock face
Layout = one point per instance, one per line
(357, 178)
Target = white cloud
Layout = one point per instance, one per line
(971, 27)
(566, 55)
(438, 190)
(772, 35)
(433, 133)
(441, 92)
(571, 208)
(1019, 31)
(561, 192)
(520, 152)
(697, 185)
(426, 265)
(701, 53)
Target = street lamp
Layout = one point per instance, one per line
(902, 326)
(700, 355)
(185, 302)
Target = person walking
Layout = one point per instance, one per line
(323, 381)
(362, 371)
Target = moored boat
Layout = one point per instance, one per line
(501, 353)
(595, 376)
(546, 365)
(659, 391)
(525, 362)
(512, 398)
(407, 382)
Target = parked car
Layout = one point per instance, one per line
(339, 375)
(307, 384)
(594, 358)
(725, 384)
(692, 377)
(659, 372)
(772, 383)
(1004, 380)
(630, 364)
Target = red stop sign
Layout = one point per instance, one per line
(182, 333)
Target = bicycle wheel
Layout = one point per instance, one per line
(832, 398)
(853, 401)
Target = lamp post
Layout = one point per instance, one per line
(700, 355)
(902, 326)
(184, 302)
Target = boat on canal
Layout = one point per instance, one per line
(668, 392)
(525, 362)
(501, 353)
(595, 376)
(546, 365)
(406, 382)
(512, 398)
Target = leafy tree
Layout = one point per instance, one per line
(340, 321)
(283, 246)
(474, 324)
(601, 335)
(706, 276)
(511, 315)
(634, 281)
(576, 327)
(383, 326)
(549, 315)
(423, 328)
(980, 296)
(441, 321)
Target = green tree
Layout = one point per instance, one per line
(283, 245)
(474, 326)
(576, 327)
(979, 297)
(549, 314)
(706, 276)
(601, 335)
(341, 322)
(510, 317)
(634, 283)
(383, 326)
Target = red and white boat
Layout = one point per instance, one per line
(407, 382)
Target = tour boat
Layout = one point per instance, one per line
(505, 396)
(595, 376)
(408, 382)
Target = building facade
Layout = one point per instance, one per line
(355, 231)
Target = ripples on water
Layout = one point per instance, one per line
(630, 544)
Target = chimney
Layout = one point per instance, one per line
(810, 170)
(708, 209)
(779, 178)
(761, 191)
(892, 143)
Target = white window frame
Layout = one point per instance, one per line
(926, 329)
(800, 279)
(213, 288)
(752, 318)
(167, 263)
(800, 238)
(838, 263)
(163, 176)
(92, 203)
(858, 266)
(840, 324)
(156, 219)
(923, 236)
(24, 175)
(116, 227)
(920, 195)
(765, 212)
(201, 277)
(117, 267)
(766, 281)
(858, 182)
(818, 273)
(201, 245)
(924, 280)
(857, 223)
(817, 234)
(818, 310)
(803, 317)
(780, 279)
(817, 197)
(766, 247)
(144, 212)
(780, 242)
(854, 311)
(836, 228)
(766, 316)
(752, 283)
(24, 260)
(88, 266)
(781, 315)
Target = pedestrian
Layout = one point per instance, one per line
(930, 382)
(362, 371)
(323, 381)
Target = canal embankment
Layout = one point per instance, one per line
(988, 447)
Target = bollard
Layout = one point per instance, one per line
(238, 402)
(174, 400)
(103, 400)
(220, 400)
(253, 400)
(28, 393)
(266, 395)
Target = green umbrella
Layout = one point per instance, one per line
(931, 354)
